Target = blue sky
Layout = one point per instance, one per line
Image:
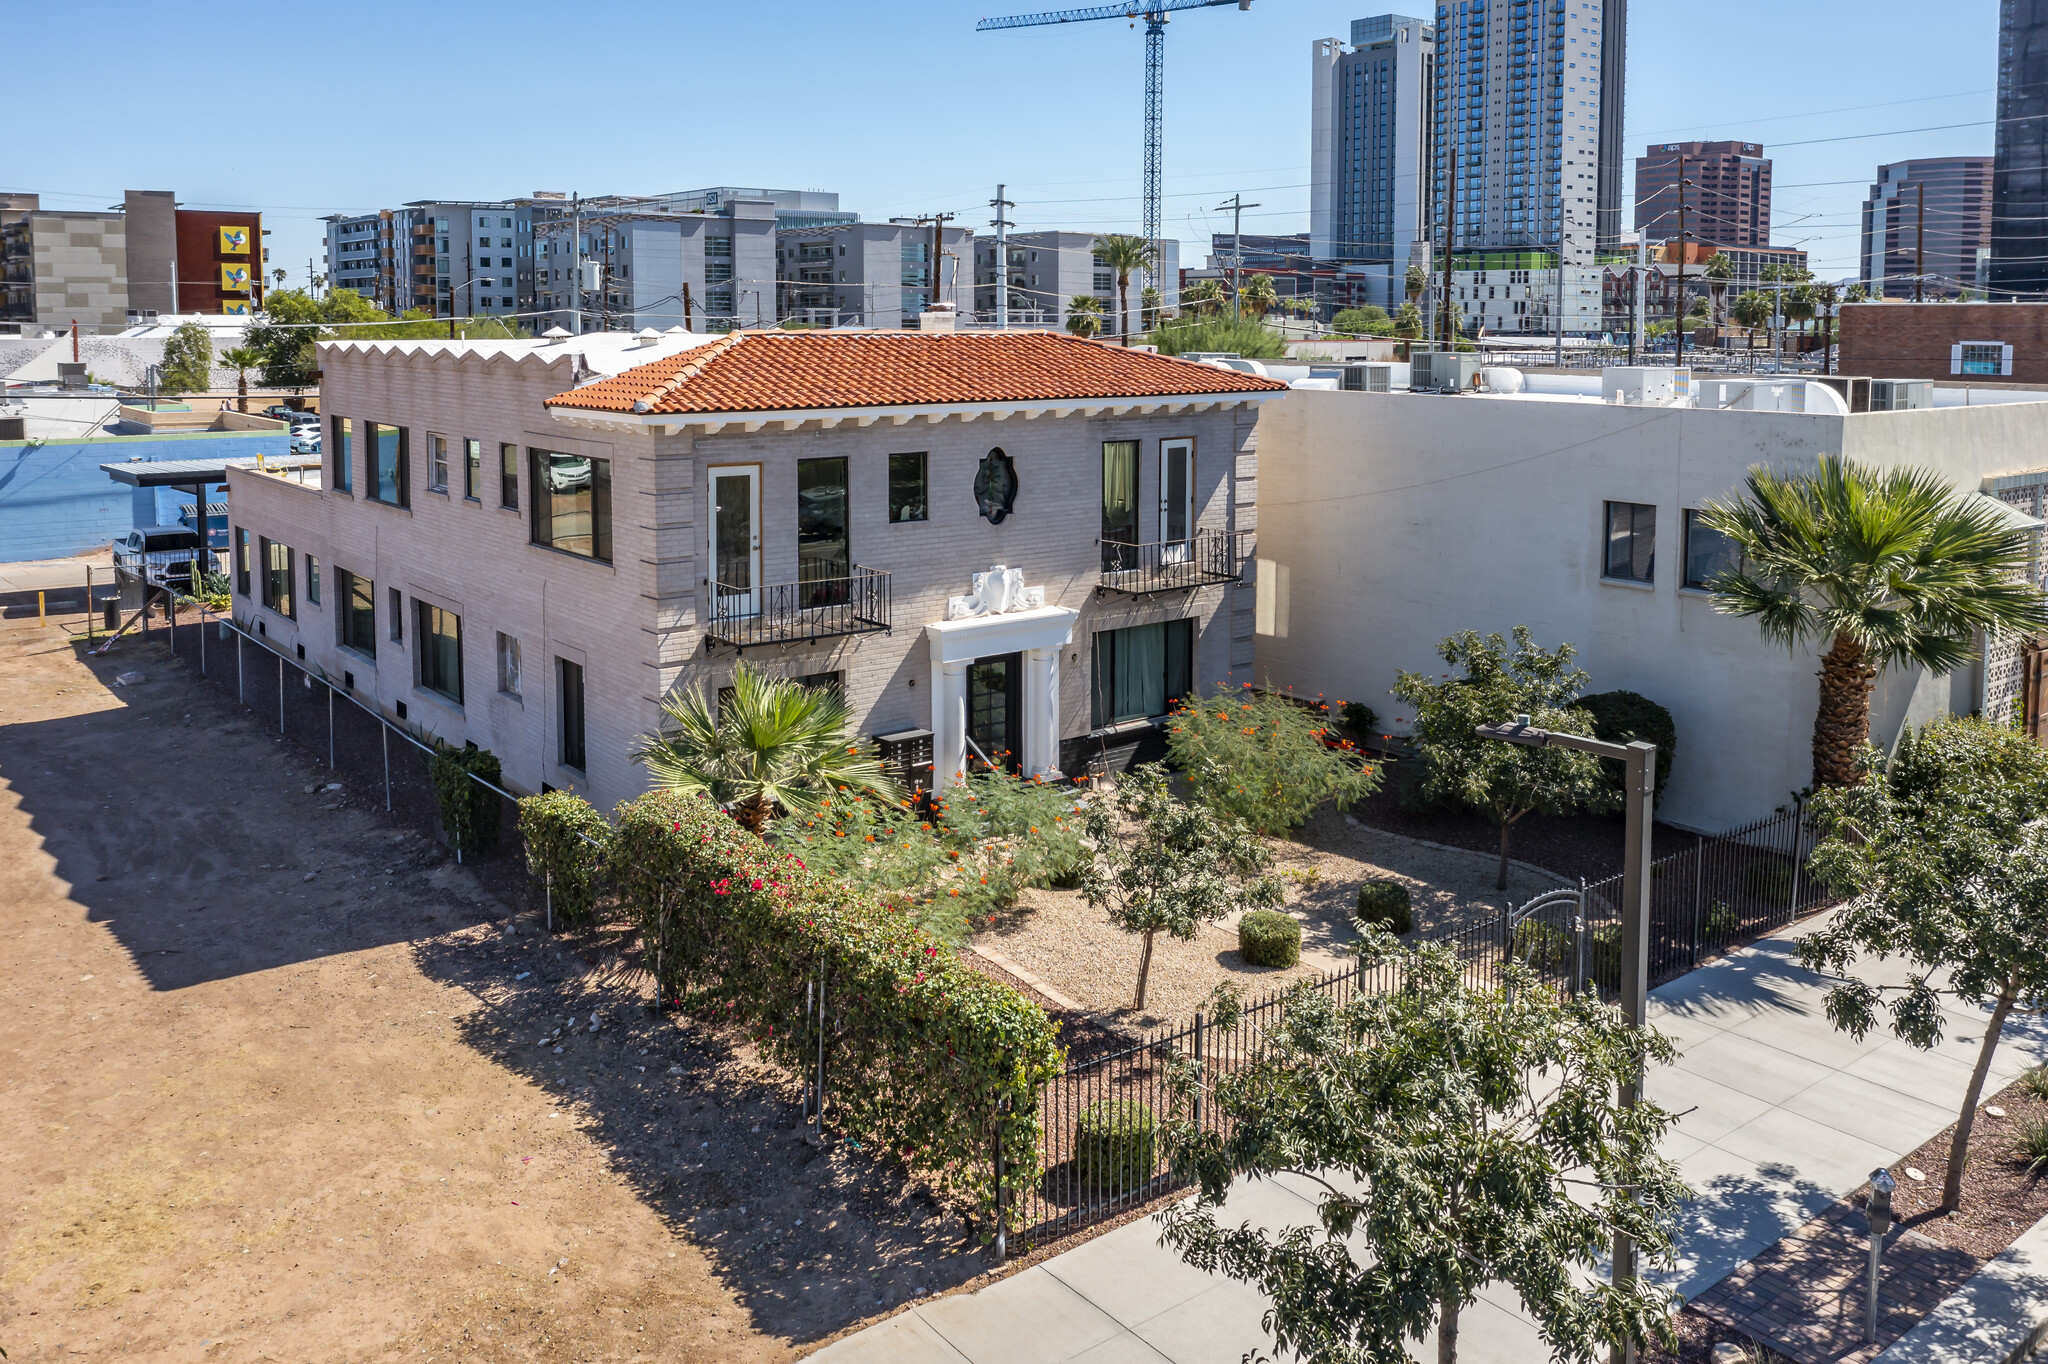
(899, 105)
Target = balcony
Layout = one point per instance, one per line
(1210, 556)
(800, 612)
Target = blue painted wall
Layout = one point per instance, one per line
(56, 501)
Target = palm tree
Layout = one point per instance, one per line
(1751, 309)
(1799, 305)
(775, 744)
(1204, 295)
(1084, 314)
(1827, 298)
(1415, 281)
(1149, 308)
(1408, 321)
(1718, 271)
(1123, 253)
(1257, 296)
(241, 360)
(1884, 568)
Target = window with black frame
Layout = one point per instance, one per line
(358, 600)
(1631, 541)
(1708, 553)
(569, 684)
(1141, 670)
(572, 503)
(389, 475)
(241, 561)
(508, 475)
(823, 552)
(277, 578)
(473, 470)
(908, 499)
(342, 433)
(1119, 504)
(438, 650)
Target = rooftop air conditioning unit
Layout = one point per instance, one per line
(1368, 378)
(1854, 388)
(1900, 395)
(1442, 371)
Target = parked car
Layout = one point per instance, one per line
(162, 554)
(280, 411)
(305, 440)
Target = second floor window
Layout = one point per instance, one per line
(572, 503)
(1119, 498)
(1708, 553)
(277, 578)
(821, 533)
(1631, 541)
(437, 462)
(389, 458)
(473, 470)
(343, 433)
(907, 498)
(508, 475)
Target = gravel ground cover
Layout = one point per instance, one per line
(1059, 937)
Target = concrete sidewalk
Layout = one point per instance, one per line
(1786, 1116)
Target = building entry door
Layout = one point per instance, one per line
(735, 539)
(995, 706)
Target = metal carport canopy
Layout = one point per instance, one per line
(184, 473)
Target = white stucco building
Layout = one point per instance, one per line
(1022, 541)
(1389, 521)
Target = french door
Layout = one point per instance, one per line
(735, 539)
(994, 712)
(1176, 497)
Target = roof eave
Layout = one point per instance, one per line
(829, 418)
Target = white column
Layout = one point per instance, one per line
(949, 723)
(1042, 712)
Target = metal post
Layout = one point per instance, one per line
(385, 731)
(1002, 1218)
(1202, 1076)
(238, 666)
(547, 890)
(202, 634)
(171, 615)
(818, 1107)
(42, 610)
(1798, 855)
(280, 693)
(89, 627)
(330, 725)
(1579, 943)
(1878, 1213)
(1699, 890)
(1001, 225)
(1635, 946)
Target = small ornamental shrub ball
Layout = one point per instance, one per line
(1266, 937)
(1114, 1145)
(1385, 903)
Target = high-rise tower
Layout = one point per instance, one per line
(2019, 181)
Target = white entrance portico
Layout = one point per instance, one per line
(1000, 617)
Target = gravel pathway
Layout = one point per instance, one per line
(1058, 936)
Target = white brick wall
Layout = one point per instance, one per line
(633, 624)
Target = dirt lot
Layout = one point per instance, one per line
(274, 1091)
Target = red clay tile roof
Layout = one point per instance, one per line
(764, 371)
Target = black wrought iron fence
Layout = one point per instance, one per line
(1208, 556)
(817, 608)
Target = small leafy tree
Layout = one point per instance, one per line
(1945, 859)
(774, 743)
(188, 360)
(469, 810)
(1264, 758)
(1169, 865)
(1504, 782)
(1483, 1142)
(1367, 321)
(1084, 314)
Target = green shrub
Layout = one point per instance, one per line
(1251, 339)
(1624, 716)
(1260, 757)
(1115, 1146)
(1603, 957)
(469, 812)
(1722, 922)
(926, 1059)
(2030, 1145)
(1770, 880)
(1370, 320)
(2035, 1081)
(1359, 723)
(1267, 937)
(1543, 947)
(1385, 903)
(566, 842)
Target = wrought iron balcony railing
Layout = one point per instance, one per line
(1208, 556)
(800, 612)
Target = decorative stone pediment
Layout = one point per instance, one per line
(997, 592)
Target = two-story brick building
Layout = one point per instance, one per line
(527, 544)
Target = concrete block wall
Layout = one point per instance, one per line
(56, 501)
(634, 625)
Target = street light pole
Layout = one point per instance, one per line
(1639, 761)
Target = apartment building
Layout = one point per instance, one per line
(1021, 540)
(705, 270)
(1728, 201)
(872, 274)
(1048, 270)
(1927, 228)
(793, 207)
(1364, 565)
(1373, 116)
(452, 258)
(107, 269)
(1519, 291)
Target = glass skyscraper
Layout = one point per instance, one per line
(2019, 180)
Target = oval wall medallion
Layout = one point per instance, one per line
(995, 486)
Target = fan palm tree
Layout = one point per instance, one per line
(775, 744)
(1258, 295)
(1084, 314)
(1827, 298)
(1408, 321)
(1149, 308)
(241, 360)
(1883, 568)
(1123, 253)
(1415, 281)
(1752, 309)
(1204, 296)
(1719, 270)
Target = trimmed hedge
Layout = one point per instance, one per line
(1622, 716)
(1115, 1146)
(923, 1057)
(566, 843)
(1267, 937)
(469, 812)
(1385, 903)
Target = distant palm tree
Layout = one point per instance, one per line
(1258, 295)
(1883, 568)
(1719, 271)
(775, 744)
(1123, 253)
(1415, 281)
(241, 360)
(1751, 309)
(1408, 321)
(1149, 308)
(1826, 299)
(1084, 314)
(1204, 295)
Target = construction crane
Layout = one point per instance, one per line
(1154, 13)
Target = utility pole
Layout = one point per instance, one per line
(938, 221)
(1002, 224)
(687, 326)
(1450, 331)
(576, 263)
(1635, 336)
(1237, 206)
(1919, 241)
